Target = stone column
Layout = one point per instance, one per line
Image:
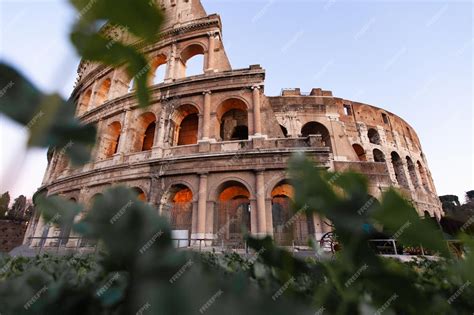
(206, 117)
(210, 52)
(171, 64)
(125, 132)
(261, 213)
(201, 221)
(256, 111)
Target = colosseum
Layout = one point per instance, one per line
(211, 152)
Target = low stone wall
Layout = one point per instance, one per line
(11, 234)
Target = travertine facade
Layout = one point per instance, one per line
(212, 149)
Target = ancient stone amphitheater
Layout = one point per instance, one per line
(211, 151)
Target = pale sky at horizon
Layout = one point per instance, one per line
(411, 58)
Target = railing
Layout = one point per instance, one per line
(61, 244)
(380, 246)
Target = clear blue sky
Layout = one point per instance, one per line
(411, 58)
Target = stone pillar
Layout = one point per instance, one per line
(170, 67)
(125, 135)
(210, 52)
(261, 213)
(206, 117)
(201, 221)
(256, 111)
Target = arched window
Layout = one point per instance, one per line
(289, 226)
(149, 136)
(177, 205)
(189, 67)
(315, 128)
(139, 193)
(360, 152)
(103, 92)
(131, 85)
(184, 125)
(111, 139)
(374, 136)
(145, 132)
(158, 69)
(412, 172)
(233, 120)
(423, 176)
(284, 130)
(397, 164)
(378, 155)
(233, 214)
(85, 101)
(188, 130)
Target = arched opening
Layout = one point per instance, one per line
(412, 172)
(397, 164)
(188, 130)
(378, 156)
(290, 227)
(145, 132)
(373, 136)
(131, 85)
(178, 207)
(315, 128)
(188, 67)
(139, 193)
(284, 131)
(85, 101)
(111, 139)
(102, 94)
(233, 120)
(360, 152)
(158, 69)
(423, 176)
(184, 126)
(233, 214)
(65, 231)
(149, 137)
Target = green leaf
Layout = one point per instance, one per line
(405, 225)
(49, 120)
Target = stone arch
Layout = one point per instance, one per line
(111, 140)
(360, 152)
(378, 156)
(284, 131)
(423, 176)
(289, 227)
(233, 120)
(399, 170)
(140, 193)
(232, 216)
(187, 53)
(85, 102)
(412, 172)
(182, 182)
(373, 136)
(214, 192)
(177, 205)
(158, 69)
(145, 132)
(102, 93)
(65, 231)
(317, 128)
(184, 125)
